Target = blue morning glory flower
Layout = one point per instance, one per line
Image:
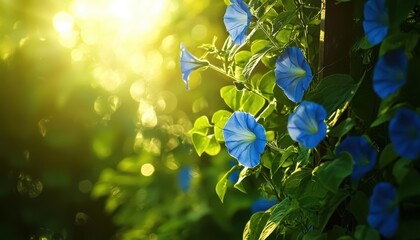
(375, 21)
(307, 124)
(390, 73)
(404, 132)
(244, 138)
(383, 209)
(364, 155)
(293, 73)
(190, 63)
(184, 178)
(262, 205)
(237, 18)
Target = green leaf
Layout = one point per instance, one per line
(213, 148)
(201, 126)
(242, 175)
(289, 5)
(255, 225)
(219, 120)
(401, 169)
(287, 156)
(259, 46)
(285, 35)
(275, 164)
(329, 208)
(388, 155)
(343, 128)
(255, 59)
(332, 173)
(295, 184)
(333, 92)
(242, 57)
(313, 195)
(242, 100)
(406, 41)
(267, 113)
(409, 186)
(366, 233)
(304, 155)
(386, 114)
(221, 185)
(278, 213)
(359, 206)
(391, 42)
(284, 18)
(364, 43)
(200, 143)
(266, 83)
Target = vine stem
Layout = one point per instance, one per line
(272, 185)
(272, 102)
(272, 40)
(304, 25)
(219, 70)
(222, 72)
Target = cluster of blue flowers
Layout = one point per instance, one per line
(245, 138)
(389, 76)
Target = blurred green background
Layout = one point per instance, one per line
(94, 121)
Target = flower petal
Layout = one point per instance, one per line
(189, 63)
(375, 21)
(390, 73)
(404, 132)
(293, 73)
(245, 139)
(364, 155)
(307, 124)
(237, 19)
(383, 211)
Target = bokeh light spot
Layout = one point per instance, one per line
(63, 23)
(147, 169)
(29, 187)
(81, 218)
(137, 90)
(85, 186)
(199, 105)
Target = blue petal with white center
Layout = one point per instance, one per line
(375, 21)
(237, 19)
(245, 139)
(307, 124)
(189, 63)
(404, 132)
(363, 154)
(293, 73)
(390, 73)
(383, 209)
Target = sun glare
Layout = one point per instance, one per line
(118, 33)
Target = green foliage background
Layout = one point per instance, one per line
(70, 164)
(80, 159)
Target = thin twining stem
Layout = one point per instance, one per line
(272, 40)
(219, 70)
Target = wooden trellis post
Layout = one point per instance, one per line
(336, 37)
